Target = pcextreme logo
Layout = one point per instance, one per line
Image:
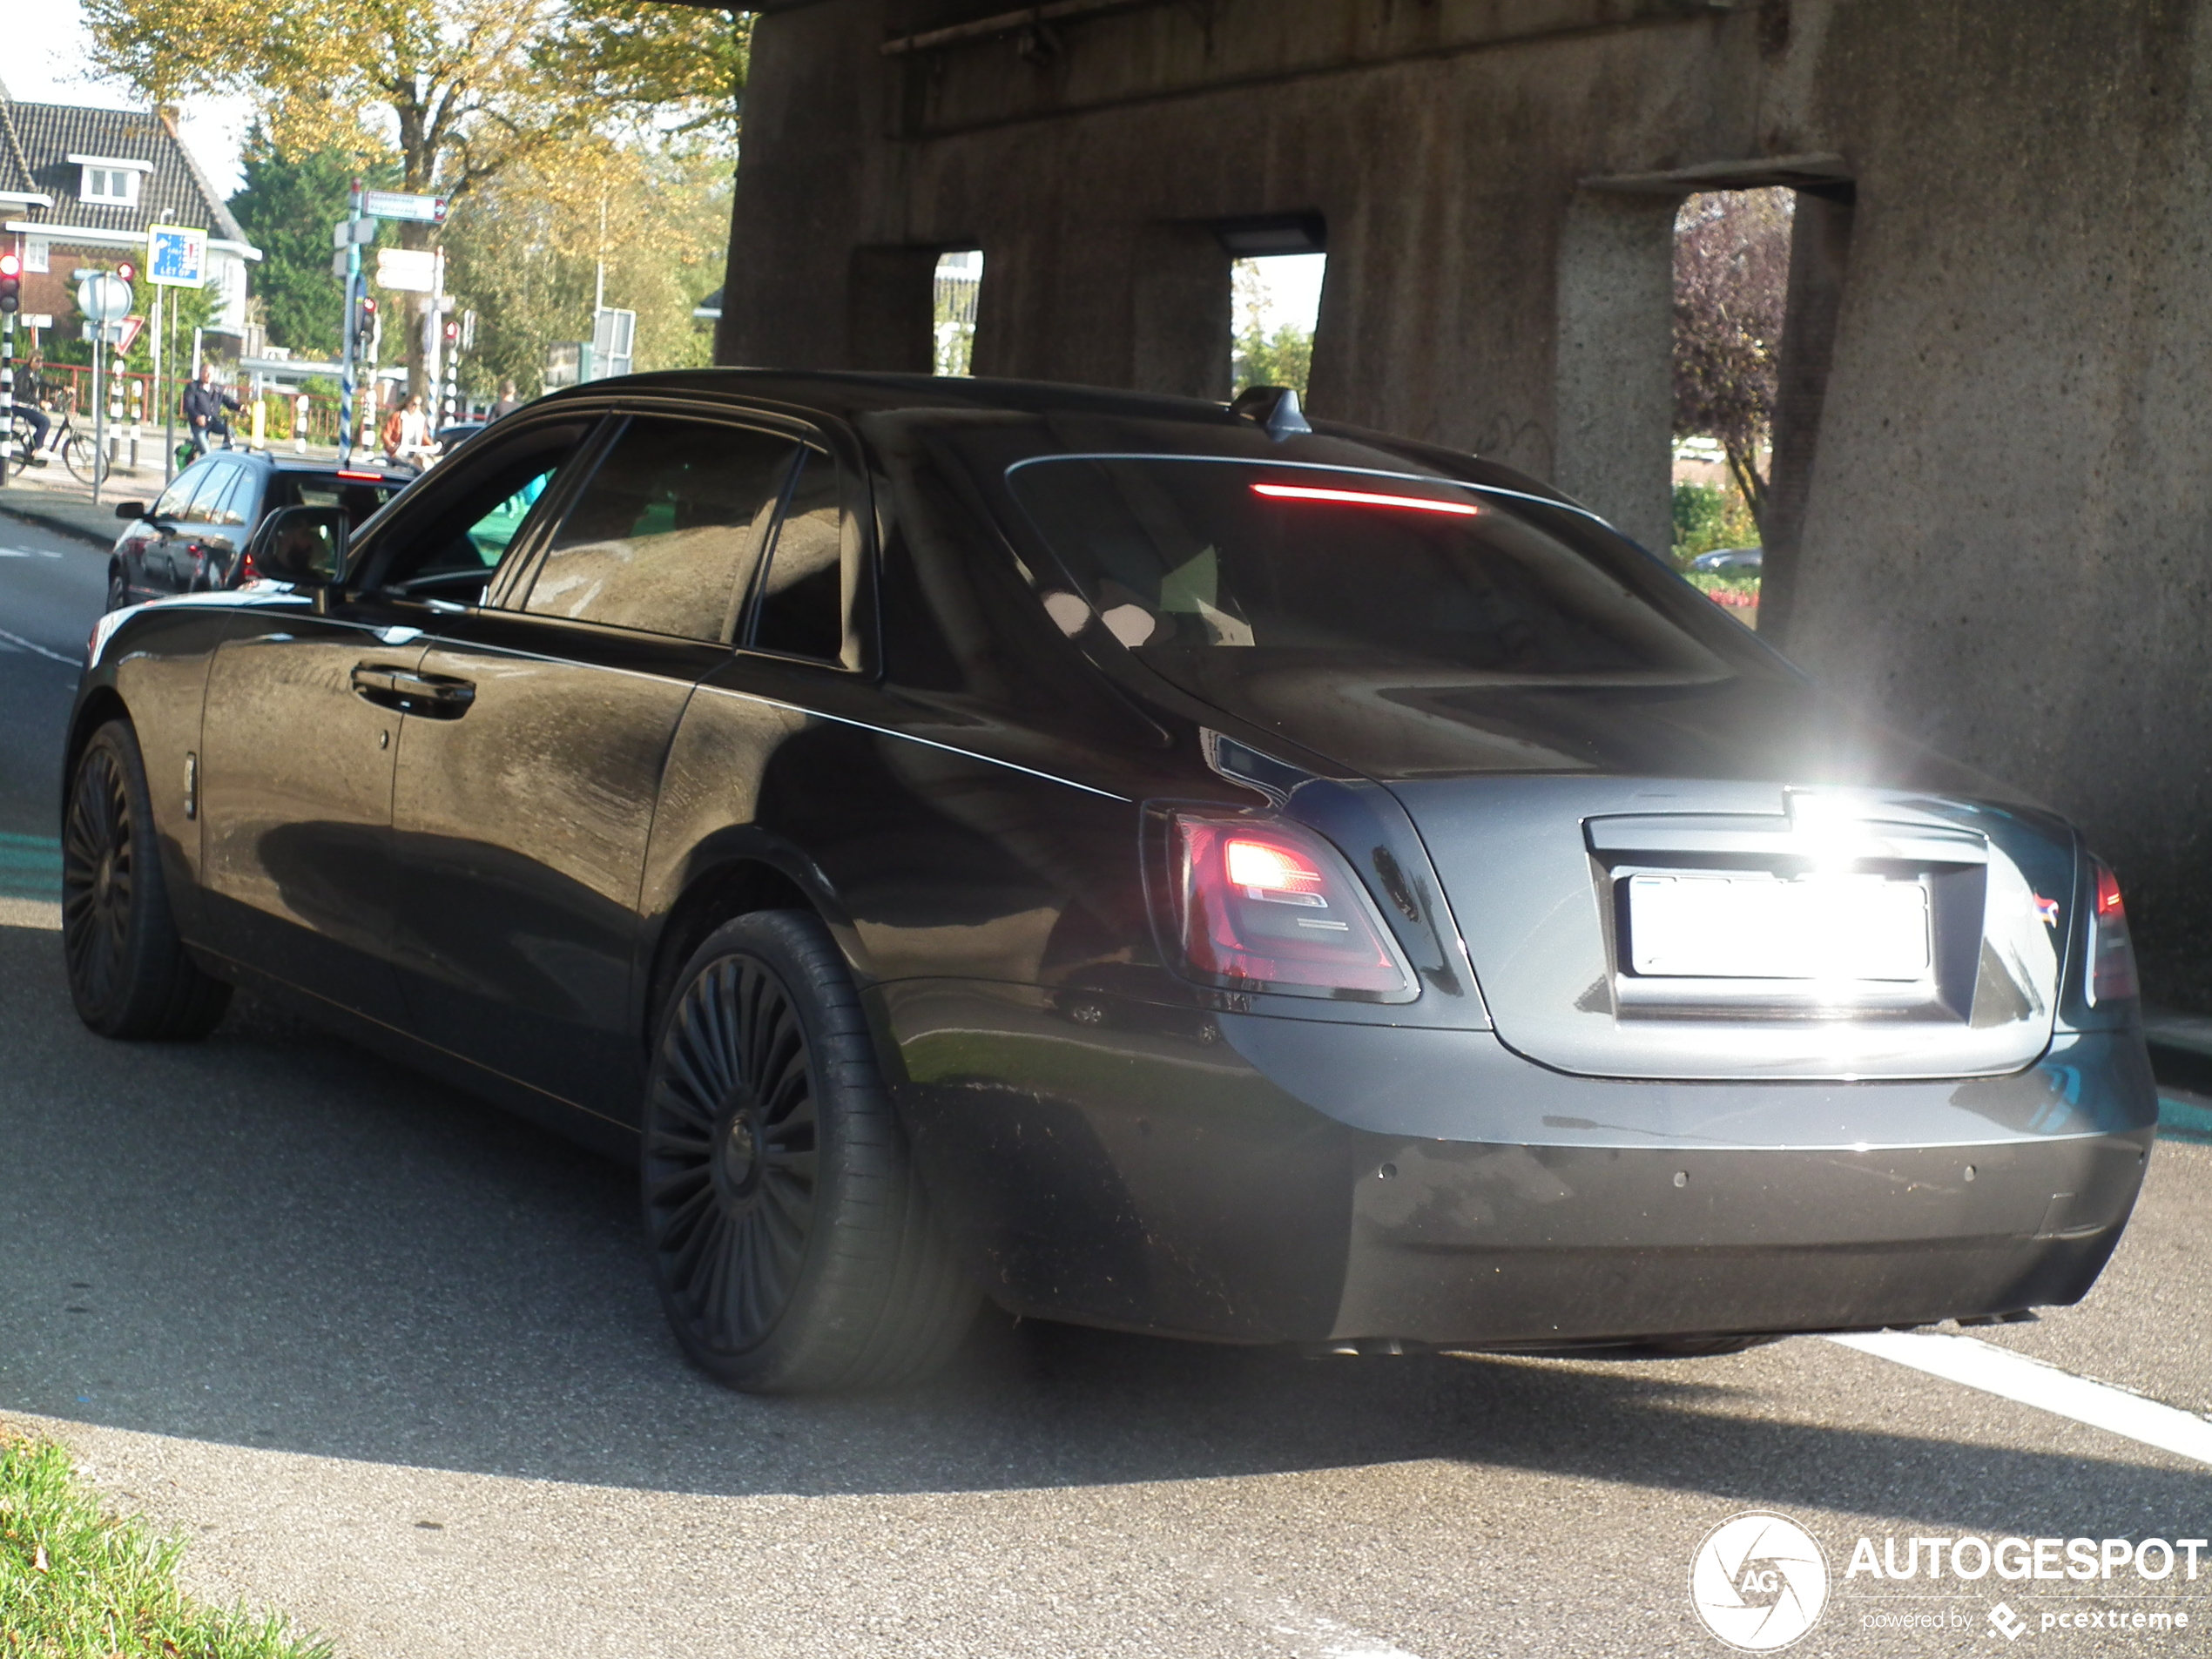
(1759, 1581)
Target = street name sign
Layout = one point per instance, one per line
(390, 204)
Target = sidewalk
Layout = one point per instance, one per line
(48, 496)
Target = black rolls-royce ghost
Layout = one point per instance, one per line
(1148, 863)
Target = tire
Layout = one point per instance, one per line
(81, 455)
(129, 973)
(791, 1237)
(118, 591)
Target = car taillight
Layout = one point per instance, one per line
(1267, 906)
(2112, 953)
(247, 569)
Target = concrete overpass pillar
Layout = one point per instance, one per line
(1615, 375)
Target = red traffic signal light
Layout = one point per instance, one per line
(10, 265)
(127, 271)
(10, 283)
(452, 333)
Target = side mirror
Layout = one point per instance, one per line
(130, 509)
(305, 546)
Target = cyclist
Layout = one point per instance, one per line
(205, 403)
(30, 392)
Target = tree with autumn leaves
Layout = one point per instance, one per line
(1731, 291)
(452, 95)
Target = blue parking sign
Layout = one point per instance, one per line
(176, 256)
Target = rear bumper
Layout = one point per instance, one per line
(1259, 1179)
(1520, 1245)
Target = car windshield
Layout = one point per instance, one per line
(1187, 561)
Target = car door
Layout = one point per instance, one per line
(303, 710)
(523, 808)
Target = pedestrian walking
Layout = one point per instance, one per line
(406, 433)
(508, 401)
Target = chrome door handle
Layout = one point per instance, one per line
(435, 697)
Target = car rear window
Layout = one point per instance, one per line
(360, 499)
(1185, 559)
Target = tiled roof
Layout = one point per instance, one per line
(37, 139)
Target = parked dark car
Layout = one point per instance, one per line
(1143, 862)
(193, 540)
(1729, 561)
(453, 434)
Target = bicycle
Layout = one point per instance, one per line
(79, 452)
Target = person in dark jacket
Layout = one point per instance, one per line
(30, 393)
(205, 403)
(508, 401)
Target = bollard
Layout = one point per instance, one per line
(137, 419)
(299, 424)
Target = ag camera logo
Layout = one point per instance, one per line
(1759, 1581)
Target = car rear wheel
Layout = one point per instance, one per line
(118, 594)
(792, 1238)
(129, 972)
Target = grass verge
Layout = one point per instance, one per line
(78, 1583)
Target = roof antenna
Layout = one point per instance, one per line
(1273, 408)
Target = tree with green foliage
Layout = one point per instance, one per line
(287, 207)
(1261, 356)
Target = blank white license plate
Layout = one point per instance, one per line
(1821, 928)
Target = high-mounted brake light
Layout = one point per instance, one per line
(1366, 498)
(2112, 953)
(1270, 907)
(366, 477)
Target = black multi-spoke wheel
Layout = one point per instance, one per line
(790, 1235)
(128, 971)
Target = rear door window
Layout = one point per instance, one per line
(663, 537)
(1282, 567)
(807, 593)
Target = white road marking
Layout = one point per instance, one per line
(21, 643)
(30, 912)
(2015, 1376)
(28, 553)
(1323, 1638)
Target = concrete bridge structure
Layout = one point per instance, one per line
(1991, 508)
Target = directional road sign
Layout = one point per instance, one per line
(176, 256)
(413, 269)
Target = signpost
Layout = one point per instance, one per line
(104, 298)
(348, 237)
(176, 257)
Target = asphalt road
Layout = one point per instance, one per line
(391, 1361)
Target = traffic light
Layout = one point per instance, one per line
(127, 271)
(10, 283)
(452, 333)
(364, 320)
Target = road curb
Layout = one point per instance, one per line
(55, 519)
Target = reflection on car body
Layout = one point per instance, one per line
(1142, 864)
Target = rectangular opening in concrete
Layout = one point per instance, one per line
(957, 287)
(1275, 306)
(1731, 290)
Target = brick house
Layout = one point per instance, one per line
(80, 186)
